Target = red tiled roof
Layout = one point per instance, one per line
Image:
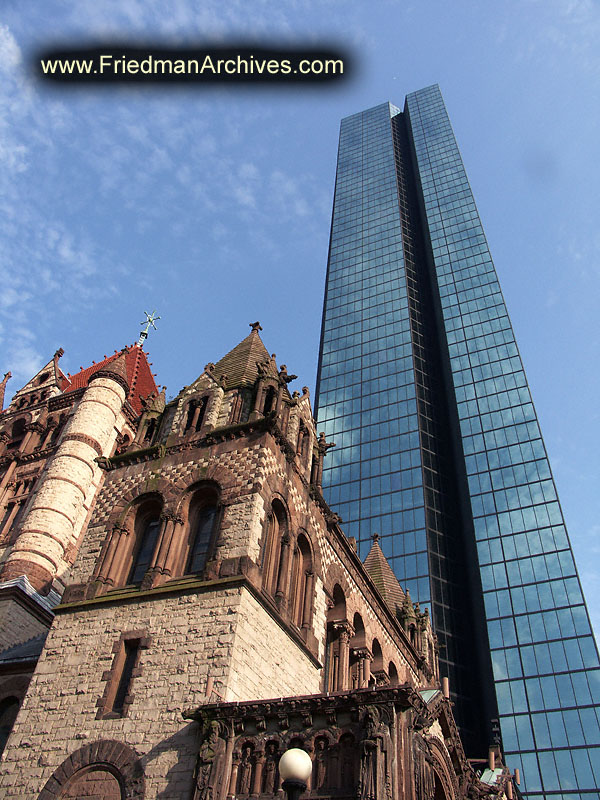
(139, 376)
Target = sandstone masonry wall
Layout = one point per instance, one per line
(279, 667)
(191, 637)
(224, 634)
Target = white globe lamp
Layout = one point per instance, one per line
(295, 768)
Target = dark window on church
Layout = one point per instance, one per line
(301, 584)
(132, 648)
(120, 678)
(202, 538)
(150, 430)
(271, 557)
(9, 709)
(203, 522)
(17, 434)
(10, 520)
(145, 549)
(270, 397)
(58, 430)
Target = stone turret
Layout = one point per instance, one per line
(66, 490)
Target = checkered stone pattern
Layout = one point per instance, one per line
(238, 470)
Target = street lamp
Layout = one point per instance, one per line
(295, 767)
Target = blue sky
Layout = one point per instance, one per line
(213, 205)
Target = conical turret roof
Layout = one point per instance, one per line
(131, 364)
(383, 577)
(240, 364)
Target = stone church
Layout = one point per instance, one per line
(179, 605)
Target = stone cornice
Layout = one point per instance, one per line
(403, 695)
(65, 400)
(25, 458)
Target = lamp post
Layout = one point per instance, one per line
(295, 767)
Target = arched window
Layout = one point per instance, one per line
(94, 781)
(9, 709)
(203, 520)
(270, 398)
(336, 660)
(301, 585)
(17, 434)
(357, 648)
(378, 674)
(150, 430)
(58, 429)
(271, 560)
(147, 527)
(393, 673)
(412, 635)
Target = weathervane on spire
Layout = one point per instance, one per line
(149, 321)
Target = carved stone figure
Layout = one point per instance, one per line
(270, 769)
(210, 765)
(375, 779)
(245, 771)
(320, 765)
(424, 775)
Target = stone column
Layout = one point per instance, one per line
(213, 408)
(364, 667)
(284, 562)
(52, 424)
(235, 763)
(6, 479)
(31, 430)
(162, 563)
(308, 597)
(260, 763)
(104, 571)
(345, 632)
(258, 399)
(56, 515)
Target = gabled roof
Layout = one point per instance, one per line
(137, 374)
(50, 376)
(240, 364)
(383, 577)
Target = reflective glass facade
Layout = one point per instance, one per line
(439, 451)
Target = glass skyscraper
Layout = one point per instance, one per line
(422, 389)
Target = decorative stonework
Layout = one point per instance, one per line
(366, 745)
(109, 762)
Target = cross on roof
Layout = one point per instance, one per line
(148, 322)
